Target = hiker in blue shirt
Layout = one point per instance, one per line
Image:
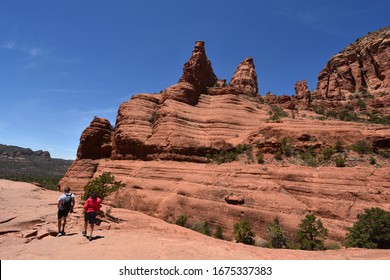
(65, 205)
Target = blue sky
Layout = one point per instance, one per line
(63, 62)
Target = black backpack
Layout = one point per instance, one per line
(68, 201)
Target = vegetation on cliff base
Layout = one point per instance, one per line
(371, 230)
(102, 186)
(311, 233)
(243, 232)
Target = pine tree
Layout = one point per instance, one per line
(372, 230)
(311, 233)
(276, 235)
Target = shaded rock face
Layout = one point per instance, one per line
(245, 78)
(95, 141)
(362, 66)
(197, 70)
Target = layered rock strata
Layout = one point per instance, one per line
(163, 145)
(362, 66)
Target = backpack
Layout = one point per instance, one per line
(68, 201)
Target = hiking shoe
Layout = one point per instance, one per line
(59, 234)
(62, 232)
(84, 233)
(90, 238)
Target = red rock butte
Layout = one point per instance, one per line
(207, 149)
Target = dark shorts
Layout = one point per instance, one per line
(62, 214)
(90, 217)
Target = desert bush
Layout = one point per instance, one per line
(332, 246)
(275, 235)
(102, 186)
(278, 155)
(286, 147)
(362, 147)
(276, 113)
(182, 221)
(371, 230)
(372, 160)
(311, 233)
(243, 232)
(203, 228)
(327, 152)
(218, 233)
(308, 159)
(379, 119)
(260, 158)
(339, 161)
(339, 147)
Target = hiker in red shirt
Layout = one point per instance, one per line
(91, 208)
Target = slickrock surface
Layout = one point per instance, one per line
(30, 235)
(362, 66)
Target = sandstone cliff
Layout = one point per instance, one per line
(362, 66)
(191, 148)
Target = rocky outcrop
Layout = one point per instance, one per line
(197, 70)
(245, 78)
(165, 149)
(95, 141)
(197, 76)
(362, 66)
(302, 92)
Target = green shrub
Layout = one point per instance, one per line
(203, 228)
(372, 160)
(362, 147)
(181, 221)
(286, 147)
(311, 233)
(340, 162)
(276, 113)
(243, 232)
(333, 246)
(102, 186)
(339, 147)
(260, 158)
(276, 235)
(372, 230)
(309, 159)
(278, 155)
(218, 233)
(328, 152)
(379, 119)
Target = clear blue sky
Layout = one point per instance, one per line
(63, 62)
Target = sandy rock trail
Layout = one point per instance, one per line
(28, 229)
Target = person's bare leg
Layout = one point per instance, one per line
(85, 228)
(59, 226)
(92, 226)
(63, 225)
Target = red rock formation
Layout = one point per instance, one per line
(245, 78)
(162, 144)
(198, 71)
(95, 141)
(362, 66)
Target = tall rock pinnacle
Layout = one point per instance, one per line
(197, 70)
(245, 77)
